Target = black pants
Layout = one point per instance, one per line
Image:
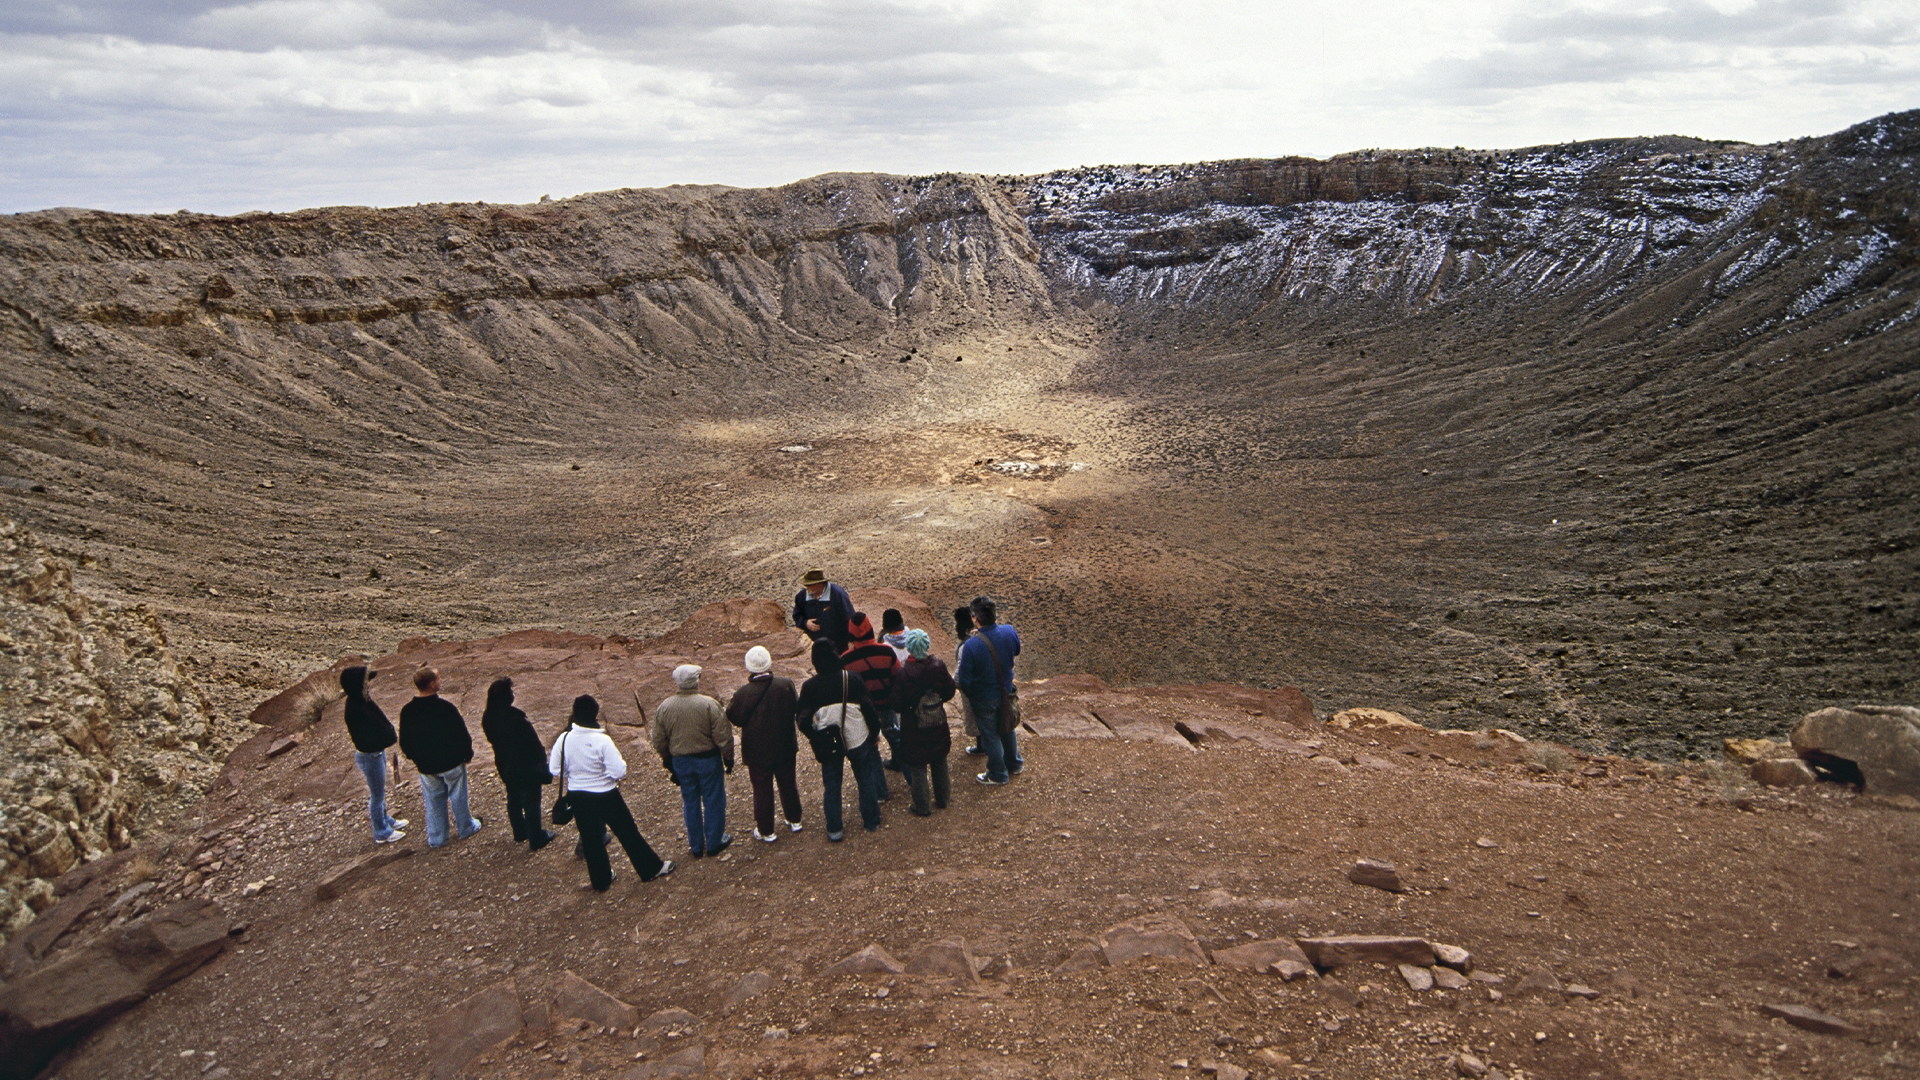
(917, 783)
(523, 814)
(593, 810)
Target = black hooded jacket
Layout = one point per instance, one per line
(517, 752)
(823, 690)
(434, 735)
(367, 725)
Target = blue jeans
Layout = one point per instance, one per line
(1002, 750)
(703, 801)
(373, 766)
(439, 791)
(870, 777)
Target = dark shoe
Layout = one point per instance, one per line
(988, 780)
(939, 806)
(836, 837)
(1018, 768)
(665, 869)
(917, 812)
(726, 841)
(540, 841)
(890, 763)
(976, 751)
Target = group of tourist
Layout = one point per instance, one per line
(868, 687)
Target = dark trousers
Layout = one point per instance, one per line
(763, 785)
(867, 779)
(594, 810)
(917, 783)
(523, 814)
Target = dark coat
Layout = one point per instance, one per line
(834, 610)
(517, 752)
(823, 690)
(367, 724)
(433, 735)
(874, 664)
(763, 711)
(921, 745)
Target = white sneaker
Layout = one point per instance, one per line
(768, 837)
(793, 825)
(401, 823)
(392, 837)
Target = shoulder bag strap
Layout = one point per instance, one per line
(994, 655)
(563, 761)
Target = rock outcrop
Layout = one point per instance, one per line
(103, 736)
(1881, 741)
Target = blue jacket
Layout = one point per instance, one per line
(976, 674)
(833, 609)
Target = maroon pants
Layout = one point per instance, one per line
(763, 781)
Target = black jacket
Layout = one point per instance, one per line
(824, 689)
(367, 725)
(763, 711)
(433, 735)
(834, 610)
(517, 752)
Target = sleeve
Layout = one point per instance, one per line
(611, 760)
(409, 734)
(969, 661)
(553, 755)
(464, 738)
(722, 732)
(800, 610)
(736, 713)
(659, 736)
(942, 680)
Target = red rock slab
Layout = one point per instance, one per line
(1129, 717)
(471, 1028)
(1064, 719)
(1810, 1020)
(576, 997)
(336, 881)
(1340, 950)
(872, 960)
(1159, 936)
(945, 960)
(1277, 956)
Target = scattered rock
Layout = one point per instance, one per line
(872, 960)
(64, 1000)
(471, 1028)
(1485, 843)
(1342, 949)
(282, 745)
(1085, 958)
(1340, 992)
(750, 985)
(1151, 935)
(576, 997)
(1582, 990)
(1418, 979)
(1453, 956)
(1749, 751)
(1276, 956)
(1370, 717)
(1810, 1020)
(1377, 874)
(1782, 772)
(946, 960)
(1469, 1066)
(1224, 1070)
(1623, 983)
(1539, 981)
(1882, 741)
(1448, 979)
(344, 876)
(671, 1021)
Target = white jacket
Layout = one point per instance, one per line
(593, 763)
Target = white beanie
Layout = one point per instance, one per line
(687, 676)
(758, 659)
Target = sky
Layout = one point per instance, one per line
(160, 105)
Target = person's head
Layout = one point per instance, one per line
(984, 613)
(759, 661)
(499, 694)
(919, 645)
(891, 622)
(962, 622)
(354, 680)
(426, 681)
(815, 582)
(687, 676)
(826, 658)
(859, 628)
(586, 711)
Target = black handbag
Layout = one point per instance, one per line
(563, 806)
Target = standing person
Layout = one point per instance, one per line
(832, 747)
(371, 733)
(763, 711)
(821, 609)
(586, 756)
(875, 663)
(434, 737)
(893, 632)
(521, 762)
(693, 739)
(962, 630)
(919, 699)
(986, 677)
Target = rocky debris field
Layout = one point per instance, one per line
(1185, 881)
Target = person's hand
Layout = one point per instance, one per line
(813, 625)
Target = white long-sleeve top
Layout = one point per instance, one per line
(593, 763)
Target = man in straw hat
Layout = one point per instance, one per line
(822, 610)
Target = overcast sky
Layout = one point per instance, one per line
(157, 105)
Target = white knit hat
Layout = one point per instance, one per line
(687, 676)
(758, 659)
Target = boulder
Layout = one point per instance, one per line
(1376, 874)
(1539, 981)
(1448, 979)
(945, 960)
(1370, 717)
(1085, 958)
(57, 1004)
(471, 1028)
(576, 997)
(689, 1062)
(1470, 1066)
(1341, 949)
(1781, 772)
(1158, 936)
(1418, 978)
(1810, 1020)
(1883, 741)
(346, 875)
(1277, 956)
(750, 985)
(1453, 956)
(872, 960)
